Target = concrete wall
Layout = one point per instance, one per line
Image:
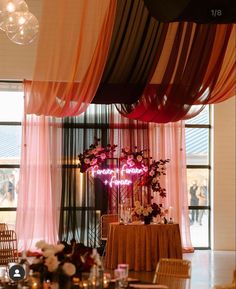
(224, 202)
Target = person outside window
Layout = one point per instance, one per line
(202, 201)
(194, 201)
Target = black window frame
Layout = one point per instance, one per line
(10, 166)
(209, 168)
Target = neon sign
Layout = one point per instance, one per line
(118, 176)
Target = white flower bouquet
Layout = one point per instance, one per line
(53, 265)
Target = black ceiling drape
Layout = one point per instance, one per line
(136, 44)
(153, 79)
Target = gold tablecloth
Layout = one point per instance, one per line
(141, 246)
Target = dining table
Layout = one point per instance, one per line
(141, 246)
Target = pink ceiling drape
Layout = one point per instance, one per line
(72, 49)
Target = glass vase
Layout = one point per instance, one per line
(147, 220)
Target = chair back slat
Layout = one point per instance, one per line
(8, 247)
(106, 219)
(3, 227)
(175, 273)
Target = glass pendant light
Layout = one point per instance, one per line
(20, 25)
(8, 8)
(23, 29)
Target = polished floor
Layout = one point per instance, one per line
(209, 268)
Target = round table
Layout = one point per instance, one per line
(141, 246)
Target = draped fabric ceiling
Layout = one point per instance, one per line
(105, 51)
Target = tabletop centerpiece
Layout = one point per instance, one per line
(148, 211)
(57, 265)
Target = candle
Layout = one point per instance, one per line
(121, 208)
(46, 284)
(121, 212)
(106, 279)
(35, 285)
(170, 212)
(98, 215)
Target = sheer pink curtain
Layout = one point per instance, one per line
(163, 141)
(40, 182)
(72, 49)
(168, 141)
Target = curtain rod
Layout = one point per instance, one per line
(11, 81)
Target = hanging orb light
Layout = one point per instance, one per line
(23, 28)
(20, 25)
(13, 5)
(8, 8)
(16, 20)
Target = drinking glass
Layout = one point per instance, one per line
(106, 279)
(85, 278)
(118, 275)
(125, 270)
(2, 274)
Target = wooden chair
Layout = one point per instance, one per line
(3, 227)
(174, 273)
(148, 286)
(8, 247)
(106, 219)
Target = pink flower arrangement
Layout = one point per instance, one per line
(152, 177)
(95, 155)
(133, 158)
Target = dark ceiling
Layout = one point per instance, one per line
(199, 11)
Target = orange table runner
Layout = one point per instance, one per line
(141, 246)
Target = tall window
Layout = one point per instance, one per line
(198, 164)
(198, 177)
(11, 113)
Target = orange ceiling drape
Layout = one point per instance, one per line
(225, 86)
(72, 50)
(218, 66)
